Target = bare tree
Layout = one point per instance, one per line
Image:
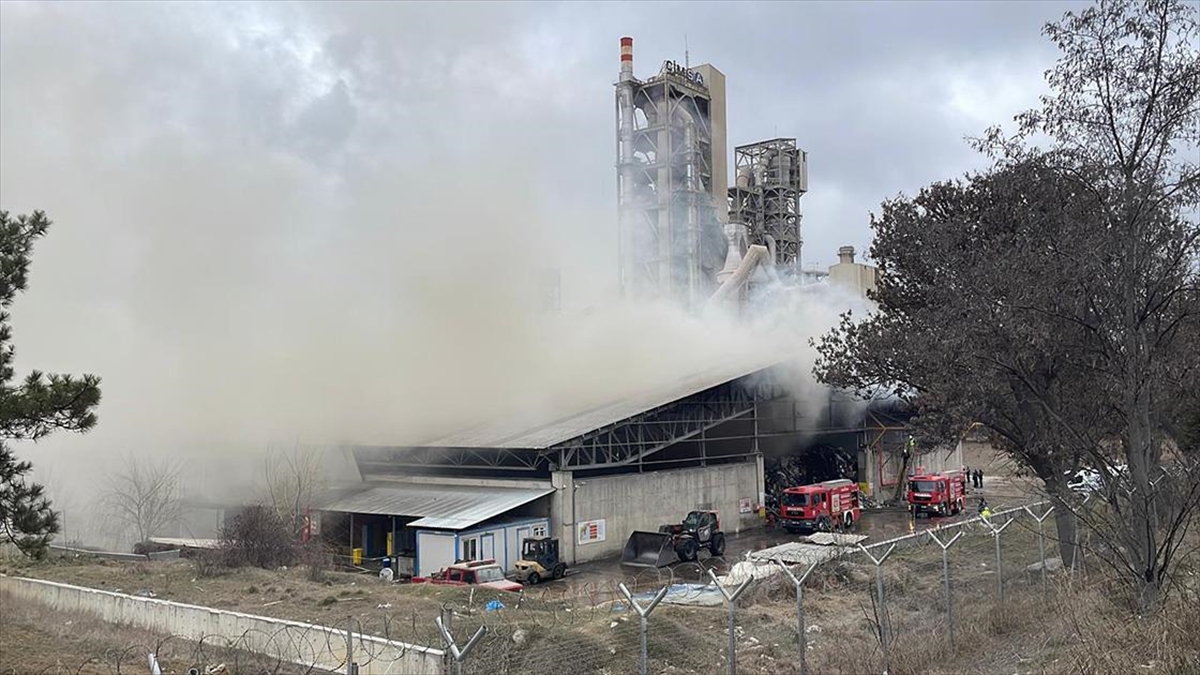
(143, 495)
(292, 479)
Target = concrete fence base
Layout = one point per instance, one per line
(299, 643)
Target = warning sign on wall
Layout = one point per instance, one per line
(589, 531)
(745, 506)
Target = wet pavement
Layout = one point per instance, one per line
(598, 579)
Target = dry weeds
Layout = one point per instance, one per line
(1074, 625)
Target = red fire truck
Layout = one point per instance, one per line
(820, 506)
(940, 494)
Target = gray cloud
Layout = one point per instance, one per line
(315, 218)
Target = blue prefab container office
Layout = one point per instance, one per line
(500, 540)
(424, 527)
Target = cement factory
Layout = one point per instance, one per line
(714, 441)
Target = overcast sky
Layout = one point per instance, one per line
(227, 180)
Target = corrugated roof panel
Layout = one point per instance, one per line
(449, 507)
(515, 435)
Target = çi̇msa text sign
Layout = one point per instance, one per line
(589, 531)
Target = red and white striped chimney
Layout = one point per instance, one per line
(626, 58)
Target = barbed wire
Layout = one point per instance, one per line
(589, 627)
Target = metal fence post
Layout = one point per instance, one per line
(884, 626)
(459, 655)
(999, 572)
(946, 579)
(1078, 543)
(643, 616)
(798, 582)
(1041, 539)
(731, 602)
(351, 667)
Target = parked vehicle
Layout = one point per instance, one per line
(1090, 480)
(820, 506)
(701, 529)
(1084, 481)
(539, 560)
(940, 494)
(484, 573)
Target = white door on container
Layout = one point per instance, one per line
(488, 546)
(469, 548)
(433, 552)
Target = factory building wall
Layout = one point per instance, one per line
(851, 275)
(643, 501)
(879, 469)
(715, 80)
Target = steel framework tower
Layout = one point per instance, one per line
(672, 194)
(771, 178)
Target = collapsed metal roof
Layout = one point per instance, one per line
(439, 507)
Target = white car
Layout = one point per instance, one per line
(1085, 481)
(1090, 480)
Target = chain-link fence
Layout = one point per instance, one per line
(852, 616)
(982, 596)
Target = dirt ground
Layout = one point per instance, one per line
(337, 597)
(1065, 627)
(285, 593)
(288, 593)
(583, 625)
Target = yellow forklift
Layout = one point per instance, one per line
(539, 560)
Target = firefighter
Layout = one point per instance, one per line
(985, 511)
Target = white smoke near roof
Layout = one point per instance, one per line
(241, 309)
(252, 251)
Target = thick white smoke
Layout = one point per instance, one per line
(244, 268)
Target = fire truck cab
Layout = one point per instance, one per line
(820, 506)
(941, 494)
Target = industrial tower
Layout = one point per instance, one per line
(771, 178)
(672, 180)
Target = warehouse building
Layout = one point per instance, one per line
(588, 479)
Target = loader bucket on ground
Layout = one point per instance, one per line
(649, 549)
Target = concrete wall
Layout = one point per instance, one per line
(643, 501)
(882, 467)
(298, 643)
(936, 461)
(115, 555)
